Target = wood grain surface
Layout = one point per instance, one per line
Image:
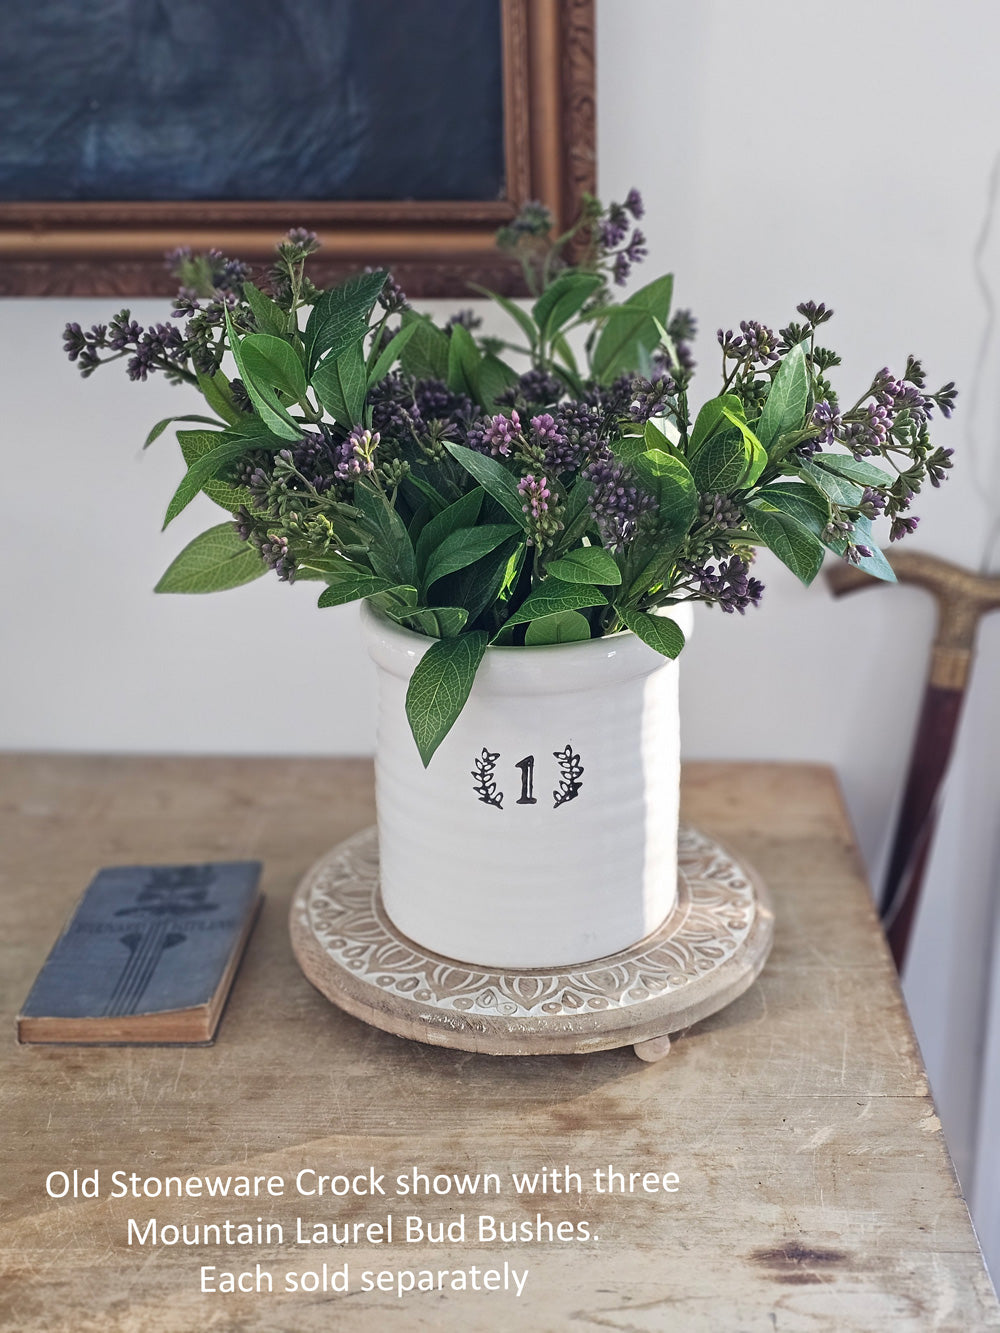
(815, 1191)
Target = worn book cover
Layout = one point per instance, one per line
(148, 956)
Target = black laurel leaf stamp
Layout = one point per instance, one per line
(485, 785)
(570, 773)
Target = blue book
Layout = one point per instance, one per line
(148, 956)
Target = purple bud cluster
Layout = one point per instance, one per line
(611, 232)
(356, 455)
(536, 494)
(616, 503)
(755, 343)
(731, 587)
(497, 436)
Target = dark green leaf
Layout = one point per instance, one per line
(630, 329)
(659, 632)
(875, 564)
(161, 426)
(438, 622)
(217, 393)
(551, 596)
(272, 413)
(563, 627)
(710, 418)
(479, 585)
(464, 547)
(462, 514)
(794, 545)
(340, 316)
(493, 376)
(214, 560)
(463, 361)
(391, 554)
(340, 385)
(562, 299)
(269, 315)
(274, 364)
(425, 356)
(351, 588)
(391, 352)
(787, 400)
(853, 469)
(587, 564)
(799, 501)
(439, 687)
(493, 477)
(722, 463)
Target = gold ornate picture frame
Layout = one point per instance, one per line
(434, 248)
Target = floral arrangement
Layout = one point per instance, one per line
(550, 487)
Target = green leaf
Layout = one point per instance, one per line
(439, 687)
(464, 547)
(462, 514)
(493, 376)
(274, 364)
(272, 413)
(562, 299)
(392, 553)
(493, 477)
(577, 517)
(551, 595)
(520, 317)
(391, 352)
(430, 493)
(794, 545)
(216, 559)
(563, 627)
(875, 564)
(630, 329)
(438, 622)
(203, 469)
(161, 426)
(837, 489)
(722, 463)
(669, 480)
(217, 393)
(340, 316)
(195, 443)
(710, 418)
(269, 315)
(348, 588)
(425, 356)
(757, 461)
(478, 585)
(799, 501)
(463, 361)
(659, 632)
(588, 564)
(340, 385)
(853, 469)
(787, 400)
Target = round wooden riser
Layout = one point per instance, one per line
(706, 953)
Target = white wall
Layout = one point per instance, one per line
(787, 151)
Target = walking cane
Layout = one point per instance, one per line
(963, 598)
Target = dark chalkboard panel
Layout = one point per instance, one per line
(251, 99)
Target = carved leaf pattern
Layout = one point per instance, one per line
(714, 914)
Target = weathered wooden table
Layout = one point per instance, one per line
(813, 1188)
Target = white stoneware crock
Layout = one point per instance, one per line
(544, 830)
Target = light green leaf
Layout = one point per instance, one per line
(340, 385)
(563, 627)
(629, 330)
(669, 480)
(587, 564)
(203, 469)
(217, 393)
(493, 477)
(723, 462)
(274, 364)
(439, 687)
(551, 596)
(875, 564)
(787, 400)
(195, 443)
(659, 632)
(272, 413)
(269, 315)
(521, 317)
(438, 622)
(710, 418)
(214, 560)
(854, 469)
(464, 547)
(340, 316)
(797, 499)
(351, 587)
(757, 453)
(391, 352)
(838, 489)
(794, 545)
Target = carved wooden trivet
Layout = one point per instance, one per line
(707, 952)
